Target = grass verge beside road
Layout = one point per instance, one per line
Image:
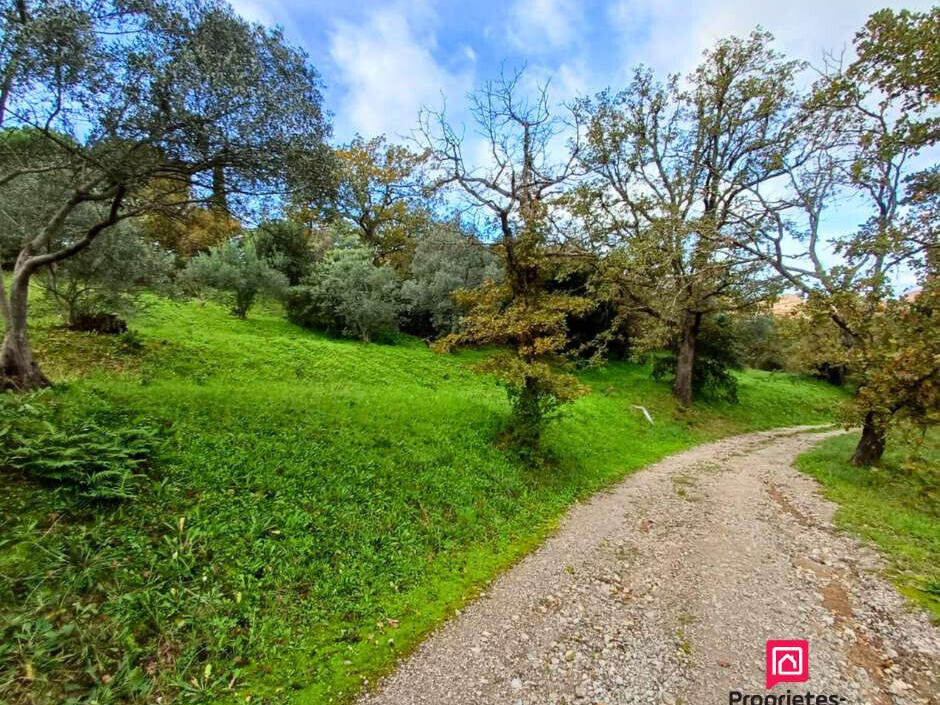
(320, 506)
(896, 507)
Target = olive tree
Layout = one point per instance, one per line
(347, 294)
(236, 273)
(446, 260)
(140, 107)
(107, 278)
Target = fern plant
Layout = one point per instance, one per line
(99, 462)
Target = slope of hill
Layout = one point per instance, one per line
(321, 504)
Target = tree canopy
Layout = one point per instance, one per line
(138, 108)
(658, 214)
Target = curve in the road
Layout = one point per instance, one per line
(665, 588)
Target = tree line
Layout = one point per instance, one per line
(138, 137)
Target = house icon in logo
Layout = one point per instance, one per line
(787, 661)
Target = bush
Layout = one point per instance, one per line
(237, 275)
(347, 295)
(107, 278)
(760, 342)
(716, 354)
(444, 262)
(536, 393)
(97, 461)
(285, 244)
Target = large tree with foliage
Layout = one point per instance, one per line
(518, 190)
(860, 130)
(191, 228)
(673, 163)
(378, 188)
(139, 107)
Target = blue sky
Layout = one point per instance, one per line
(382, 61)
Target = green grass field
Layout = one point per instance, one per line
(896, 507)
(320, 506)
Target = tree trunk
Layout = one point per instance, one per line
(525, 423)
(219, 198)
(871, 446)
(18, 369)
(834, 374)
(686, 357)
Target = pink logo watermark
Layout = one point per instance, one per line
(787, 661)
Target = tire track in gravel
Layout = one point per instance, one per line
(663, 590)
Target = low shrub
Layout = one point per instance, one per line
(99, 461)
(347, 295)
(107, 323)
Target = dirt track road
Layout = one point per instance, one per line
(663, 591)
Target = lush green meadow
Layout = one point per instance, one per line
(319, 506)
(895, 506)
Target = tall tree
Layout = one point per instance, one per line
(673, 164)
(861, 128)
(190, 228)
(379, 189)
(143, 105)
(898, 55)
(518, 188)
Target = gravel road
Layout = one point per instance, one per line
(663, 591)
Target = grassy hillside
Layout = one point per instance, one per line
(321, 504)
(896, 507)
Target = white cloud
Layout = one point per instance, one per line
(387, 72)
(255, 10)
(269, 13)
(670, 35)
(573, 79)
(538, 26)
